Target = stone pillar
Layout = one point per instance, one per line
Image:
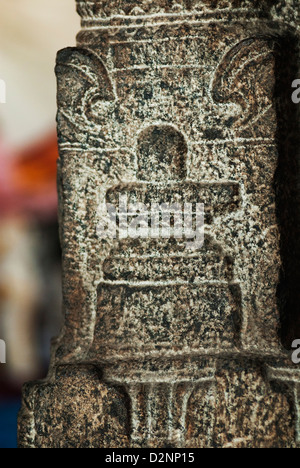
(174, 341)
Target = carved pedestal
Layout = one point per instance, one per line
(164, 345)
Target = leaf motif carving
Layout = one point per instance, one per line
(82, 71)
(246, 77)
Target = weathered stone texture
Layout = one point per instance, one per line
(163, 346)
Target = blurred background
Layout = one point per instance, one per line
(31, 32)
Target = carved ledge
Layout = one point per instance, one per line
(93, 9)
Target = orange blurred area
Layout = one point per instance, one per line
(29, 180)
(35, 170)
(31, 33)
(29, 258)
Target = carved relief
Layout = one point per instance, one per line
(164, 148)
(158, 301)
(171, 344)
(97, 8)
(233, 83)
(159, 408)
(81, 113)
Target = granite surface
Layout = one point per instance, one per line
(176, 102)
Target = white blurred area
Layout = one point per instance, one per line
(31, 33)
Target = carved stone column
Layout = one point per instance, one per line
(173, 102)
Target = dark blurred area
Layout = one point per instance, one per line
(31, 32)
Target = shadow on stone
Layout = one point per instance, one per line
(287, 184)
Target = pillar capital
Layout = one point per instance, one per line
(97, 10)
(179, 143)
(100, 8)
